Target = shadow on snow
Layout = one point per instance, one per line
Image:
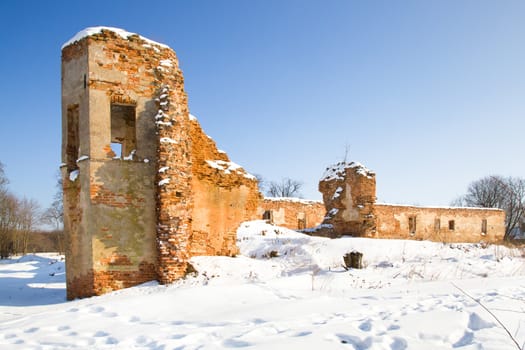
(32, 280)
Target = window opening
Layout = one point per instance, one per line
(437, 224)
(117, 149)
(123, 134)
(73, 141)
(484, 226)
(451, 225)
(268, 216)
(412, 225)
(301, 221)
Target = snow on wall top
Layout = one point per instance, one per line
(337, 171)
(228, 167)
(293, 199)
(95, 30)
(435, 207)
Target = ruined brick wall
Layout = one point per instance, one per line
(174, 173)
(169, 194)
(110, 220)
(292, 213)
(440, 224)
(349, 194)
(224, 195)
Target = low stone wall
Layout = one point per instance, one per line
(292, 213)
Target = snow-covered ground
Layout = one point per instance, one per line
(285, 291)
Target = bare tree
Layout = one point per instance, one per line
(7, 216)
(261, 183)
(18, 219)
(285, 188)
(507, 193)
(8, 221)
(27, 218)
(54, 215)
(347, 152)
(3, 178)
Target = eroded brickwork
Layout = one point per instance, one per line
(136, 167)
(349, 195)
(224, 195)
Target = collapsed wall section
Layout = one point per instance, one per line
(349, 194)
(224, 195)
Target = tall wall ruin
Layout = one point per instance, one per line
(349, 194)
(144, 187)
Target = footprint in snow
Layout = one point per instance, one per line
(302, 334)
(465, 340)
(100, 334)
(111, 341)
(393, 327)
(366, 326)
(31, 330)
(258, 321)
(354, 341)
(96, 309)
(399, 344)
(476, 323)
(233, 343)
(178, 336)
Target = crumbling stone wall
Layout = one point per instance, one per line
(224, 195)
(349, 191)
(144, 187)
(292, 213)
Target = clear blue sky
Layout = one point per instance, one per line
(429, 94)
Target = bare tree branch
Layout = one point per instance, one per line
(505, 193)
(285, 188)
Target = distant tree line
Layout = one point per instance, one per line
(20, 220)
(285, 188)
(507, 193)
